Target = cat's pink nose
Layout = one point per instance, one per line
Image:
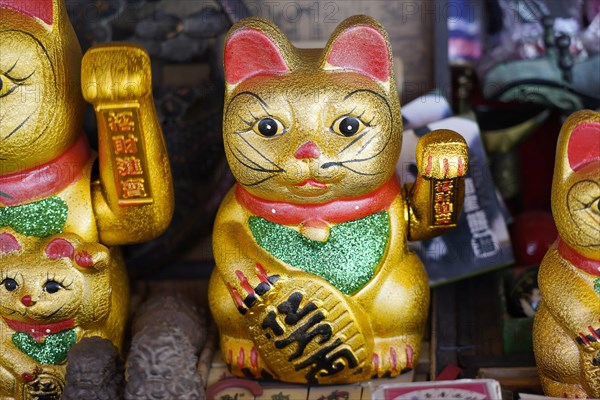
(307, 150)
(27, 301)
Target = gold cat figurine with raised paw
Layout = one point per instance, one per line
(314, 281)
(48, 183)
(566, 331)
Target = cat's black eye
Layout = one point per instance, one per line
(268, 127)
(10, 284)
(6, 86)
(347, 126)
(52, 287)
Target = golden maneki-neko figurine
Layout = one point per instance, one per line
(566, 331)
(314, 282)
(61, 278)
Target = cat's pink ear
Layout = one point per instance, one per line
(40, 9)
(249, 52)
(361, 48)
(59, 248)
(8, 243)
(584, 144)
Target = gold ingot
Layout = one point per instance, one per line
(46, 182)
(314, 282)
(566, 331)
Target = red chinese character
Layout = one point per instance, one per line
(443, 208)
(129, 166)
(443, 219)
(125, 145)
(133, 188)
(120, 122)
(443, 197)
(444, 186)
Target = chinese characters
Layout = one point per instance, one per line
(127, 156)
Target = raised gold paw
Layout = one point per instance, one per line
(442, 154)
(115, 73)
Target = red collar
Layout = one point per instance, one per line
(588, 265)
(47, 179)
(335, 211)
(38, 330)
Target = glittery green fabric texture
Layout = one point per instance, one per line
(597, 286)
(53, 350)
(40, 219)
(347, 260)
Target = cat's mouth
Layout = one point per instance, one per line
(312, 182)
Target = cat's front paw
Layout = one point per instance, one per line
(31, 375)
(304, 329)
(115, 73)
(254, 295)
(590, 370)
(390, 360)
(590, 341)
(442, 154)
(44, 383)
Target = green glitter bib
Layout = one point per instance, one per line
(347, 260)
(597, 286)
(52, 351)
(40, 219)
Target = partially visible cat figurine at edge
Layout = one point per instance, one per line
(47, 183)
(314, 282)
(566, 331)
(72, 286)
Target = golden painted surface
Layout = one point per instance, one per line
(44, 81)
(566, 348)
(93, 295)
(279, 320)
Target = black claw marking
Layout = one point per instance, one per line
(273, 278)
(262, 288)
(250, 300)
(596, 360)
(266, 376)
(242, 310)
(247, 373)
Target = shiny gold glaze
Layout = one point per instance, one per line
(380, 326)
(93, 296)
(44, 80)
(570, 306)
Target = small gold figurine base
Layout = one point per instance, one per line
(314, 282)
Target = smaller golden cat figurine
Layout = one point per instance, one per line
(53, 292)
(314, 281)
(566, 331)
